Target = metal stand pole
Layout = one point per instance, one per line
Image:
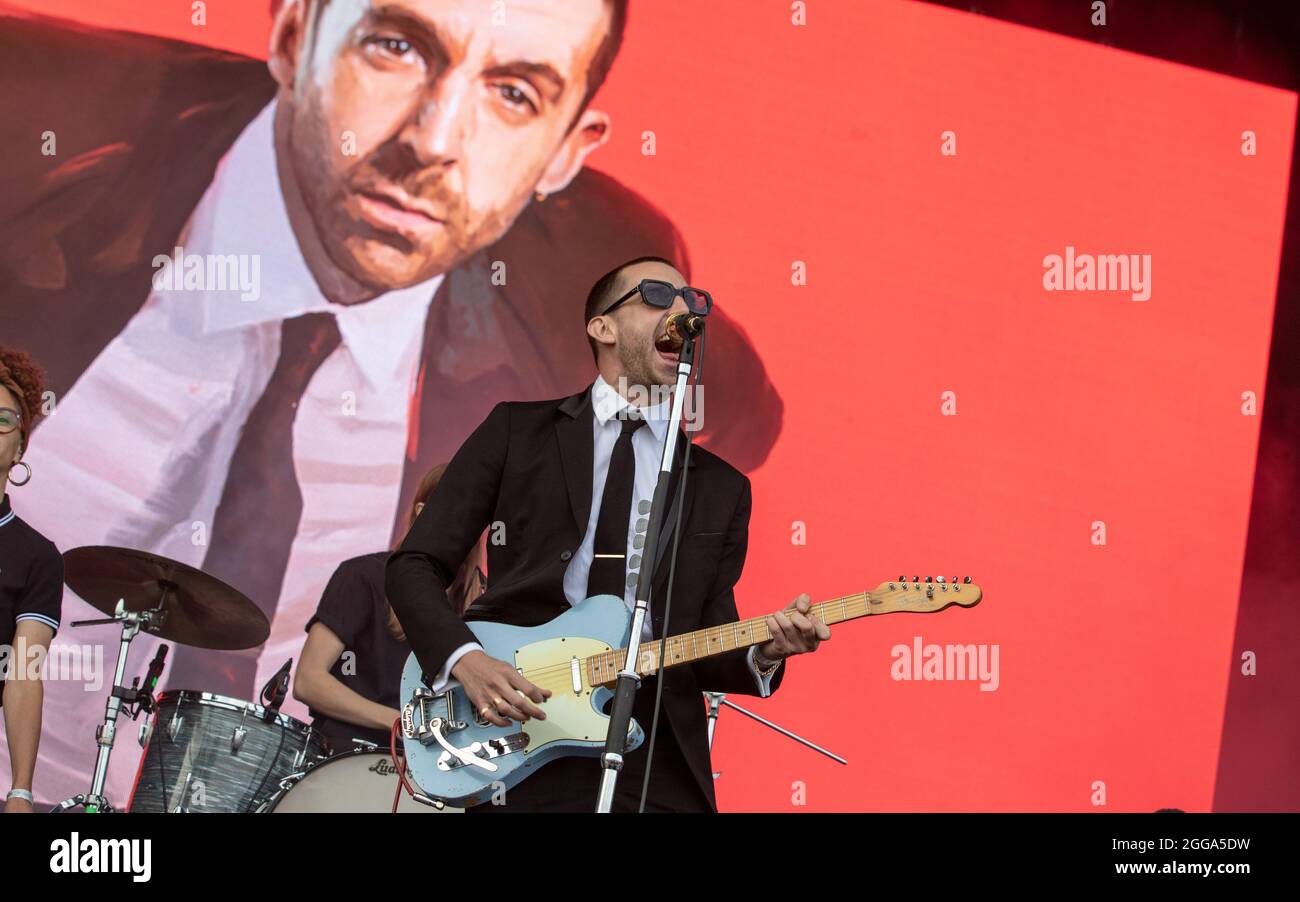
(718, 699)
(611, 761)
(106, 733)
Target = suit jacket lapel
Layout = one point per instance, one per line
(577, 453)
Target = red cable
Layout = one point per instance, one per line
(399, 763)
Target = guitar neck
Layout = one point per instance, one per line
(716, 640)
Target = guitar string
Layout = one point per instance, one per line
(542, 676)
(680, 640)
(565, 669)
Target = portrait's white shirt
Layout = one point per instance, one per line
(647, 446)
(137, 452)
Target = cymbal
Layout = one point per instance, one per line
(199, 609)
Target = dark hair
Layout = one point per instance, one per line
(468, 583)
(600, 64)
(20, 374)
(603, 61)
(602, 292)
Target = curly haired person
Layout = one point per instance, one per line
(31, 581)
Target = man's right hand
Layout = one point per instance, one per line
(498, 692)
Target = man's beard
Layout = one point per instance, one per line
(637, 362)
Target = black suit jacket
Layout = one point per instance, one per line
(140, 124)
(529, 466)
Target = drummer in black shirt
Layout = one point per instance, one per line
(350, 671)
(31, 581)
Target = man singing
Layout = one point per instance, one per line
(564, 482)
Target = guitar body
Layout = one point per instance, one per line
(462, 760)
(574, 725)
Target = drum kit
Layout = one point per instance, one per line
(205, 752)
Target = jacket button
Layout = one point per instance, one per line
(565, 555)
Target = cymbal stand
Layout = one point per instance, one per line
(132, 621)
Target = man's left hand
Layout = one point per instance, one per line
(794, 631)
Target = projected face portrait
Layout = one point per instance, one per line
(374, 162)
(413, 132)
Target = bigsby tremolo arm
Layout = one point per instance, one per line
(418, 725)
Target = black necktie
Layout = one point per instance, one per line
(608, 573)
(261, 505)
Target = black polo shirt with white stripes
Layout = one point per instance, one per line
(31, 578)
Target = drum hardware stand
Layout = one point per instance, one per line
(717, 699)
(133, 700)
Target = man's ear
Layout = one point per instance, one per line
(287, 31)
(591, 131)
(602, 331)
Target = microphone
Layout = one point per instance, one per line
(275, 690)
(681, 326)
(155, 669)
(144, 700)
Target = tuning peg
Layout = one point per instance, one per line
(966, 579)
(938, 579)
(891, 587)
(929, 579)
(916, 579)
(929, 591)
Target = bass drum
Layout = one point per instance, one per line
(356, 782)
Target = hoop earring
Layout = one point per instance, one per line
(26, 466)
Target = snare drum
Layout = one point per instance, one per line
(207, 752)
(361, 781)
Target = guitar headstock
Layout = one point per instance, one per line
(922, 595)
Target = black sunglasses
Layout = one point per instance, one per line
(661, 294)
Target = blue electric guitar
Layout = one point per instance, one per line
(458, 758)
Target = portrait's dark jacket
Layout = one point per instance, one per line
(528, 467)
(139, 125)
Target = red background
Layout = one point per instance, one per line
(821, 144)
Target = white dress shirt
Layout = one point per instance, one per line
(136, 453)
(647, 446)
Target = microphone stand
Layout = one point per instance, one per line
(629, 681)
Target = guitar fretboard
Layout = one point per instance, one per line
(716, 640)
